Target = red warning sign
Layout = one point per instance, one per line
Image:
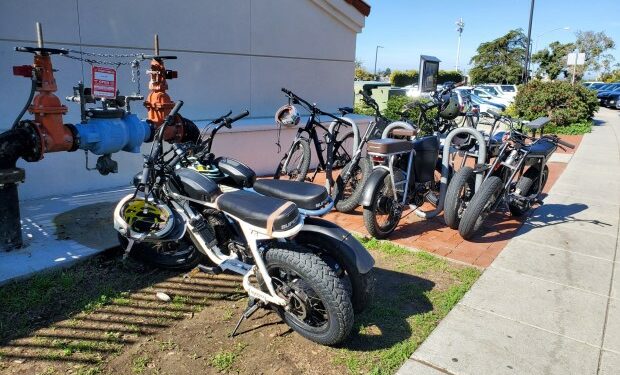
(104, 82)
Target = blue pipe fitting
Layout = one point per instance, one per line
(103, 136)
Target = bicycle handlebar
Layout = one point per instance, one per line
(310, 107)
(239, 116)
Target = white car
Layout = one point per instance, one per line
(492, 95)
(466, 93)
(509, 91)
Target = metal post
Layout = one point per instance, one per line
(10, 223)
(575, 66)
(526, 73)
(459, 27)
(156, 45)
(376, 53)
(39, 35)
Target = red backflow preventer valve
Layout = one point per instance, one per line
(158, 102)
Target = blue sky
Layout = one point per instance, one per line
(409, 28)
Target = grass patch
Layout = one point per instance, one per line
(407, 307)
(572, 129)
(61, 294)
(224, 359)
(139, 364)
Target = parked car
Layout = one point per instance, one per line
(491, 95)
(604, 87)
(603, 94)
(593, 85)
(485, 105)
(613, 101)
(509, 91)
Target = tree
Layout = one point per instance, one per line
(387, 72)
(552, 60)
(594, 45)
(612, 76)
(500, 60)
(361, 74)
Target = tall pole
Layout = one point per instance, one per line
(575, 66)
(376, 53)
(459, 28)
(526, 73)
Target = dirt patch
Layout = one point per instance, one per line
(130, 331)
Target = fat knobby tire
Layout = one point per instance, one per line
(329, 288)
(147, 252)
(349, 203)
(472, 217)
(463, 178)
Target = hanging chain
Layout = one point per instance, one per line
(135, 74)
(135, 63)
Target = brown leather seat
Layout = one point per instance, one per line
(389, 146)
(400, 132)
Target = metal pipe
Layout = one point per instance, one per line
(14, 143)
(445, 168)
(156, 45)
(39, 35)
(526, 74)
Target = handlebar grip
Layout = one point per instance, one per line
(566, 144)
(288, 92)
(239, 116)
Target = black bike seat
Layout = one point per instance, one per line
(304, 194)
(270, 213)
(345, 110)
(542, 148)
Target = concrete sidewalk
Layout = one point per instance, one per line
(550, 303)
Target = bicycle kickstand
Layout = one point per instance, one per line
(253, 305)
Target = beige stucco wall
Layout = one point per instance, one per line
(232, 55)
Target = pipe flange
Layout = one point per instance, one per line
(12, 175)
(34, 131)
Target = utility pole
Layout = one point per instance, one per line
(376, 53)
(459, 28)
(526, 73)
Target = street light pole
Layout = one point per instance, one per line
(526, 73)
(459, 28)
(376, 53)
(546, 32)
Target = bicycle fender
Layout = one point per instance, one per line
(377, 175)
(347, 249)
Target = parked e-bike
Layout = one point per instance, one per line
(462, 185)
(336, 246)
(331, 153)
(240, 232)
(521, 158)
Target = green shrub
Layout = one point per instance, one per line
(449, 76)
(400, 78)
(572, 129)
(562, 102)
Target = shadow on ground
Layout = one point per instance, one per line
(84, 314)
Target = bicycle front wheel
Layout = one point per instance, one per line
(294, 165)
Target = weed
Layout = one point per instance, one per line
(223, 360)
(139, 364)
